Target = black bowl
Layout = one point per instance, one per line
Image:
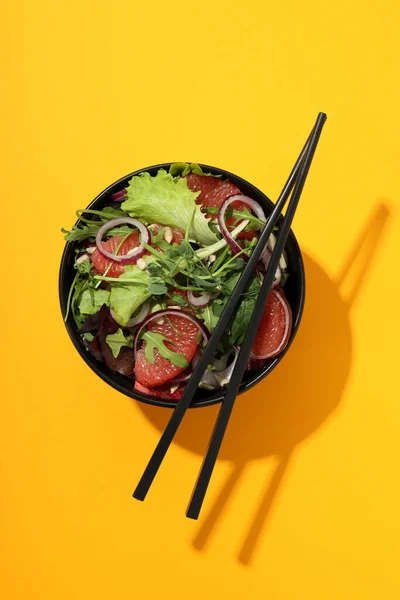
(294, 290)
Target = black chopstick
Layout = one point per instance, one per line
(183, 404)
(232, 390)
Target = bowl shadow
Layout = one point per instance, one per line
(295, 400)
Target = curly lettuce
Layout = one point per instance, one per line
(169, 201)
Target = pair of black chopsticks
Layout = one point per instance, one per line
(294, 185)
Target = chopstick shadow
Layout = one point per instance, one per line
(295, 400)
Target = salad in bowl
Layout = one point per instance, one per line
(148, 269)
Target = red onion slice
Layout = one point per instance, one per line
(265, 258)
(182, 377)
(119, 195)
(255, 207)
(137, 319)
(199, 301)
(135, 252)
(168, 311)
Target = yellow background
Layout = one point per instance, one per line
(304, 503)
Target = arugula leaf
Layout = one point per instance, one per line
(121, 230)
(107, 213)
(243, 213)
(166, 200)
(83, 266)
(117, 340)
(209, 317)
(77, 234)
(156, 340)
(87, 228)
(184, 249)
(92, 300)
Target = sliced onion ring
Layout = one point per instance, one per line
(168, 311)
(137, 319)
(119, 195)
(255, 207)
(133, 254)
(265, 258)
(199, 301)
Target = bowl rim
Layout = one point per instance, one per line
(108, 377)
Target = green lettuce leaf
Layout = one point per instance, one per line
(125, 300)
(92, 300)
(163, 199)
(117, 340)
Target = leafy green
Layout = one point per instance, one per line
(158, 305)
(219, 305)
(178, 299)
(107, 213)
(157, 289)
(230, 284)
(125, 299)
(242, 320)
(88, 337)
(244, 313)
(241, 214)
(209, 317)
(78, 234)
(92, 300)
(87, 228)
(169, 201)
(181, 169)
(83, 266)
(156, 340)
(117, 340)
(205, 252)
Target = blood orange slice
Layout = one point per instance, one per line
(275, 327)
(101, 263)
(182, 334)
(213, 191)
